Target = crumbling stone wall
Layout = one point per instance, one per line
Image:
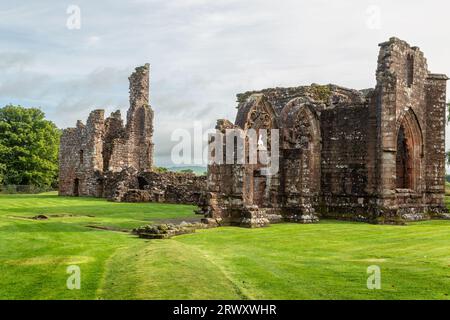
(168, 187)
(375, 155)
(89, 151)
(106, 158)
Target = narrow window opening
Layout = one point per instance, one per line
(410, 71)
(404, 162)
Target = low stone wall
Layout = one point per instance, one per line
(168, 187)
(165, 231)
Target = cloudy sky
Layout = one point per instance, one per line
(202, 52)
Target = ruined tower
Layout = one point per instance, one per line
(91, 154)
(140, 121)
(409, 108)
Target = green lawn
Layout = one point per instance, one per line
(286, 261)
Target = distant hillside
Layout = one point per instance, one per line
(195, 169)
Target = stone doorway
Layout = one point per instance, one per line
(100, 188)
(142, 182)
(76, 187)
(409, 154)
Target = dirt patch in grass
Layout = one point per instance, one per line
(48, 216)
(70, 215)
(50, 260)
(40, 217)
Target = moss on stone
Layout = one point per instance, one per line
(320, 92)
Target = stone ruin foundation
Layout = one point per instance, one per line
(105, 158)
(375, 155)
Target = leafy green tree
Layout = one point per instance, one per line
(29, 147)
(187, 171)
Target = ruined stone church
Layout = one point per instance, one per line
(375, 155)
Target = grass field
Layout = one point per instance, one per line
(286, 261)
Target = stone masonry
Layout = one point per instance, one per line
(106, 158)
(375, 155)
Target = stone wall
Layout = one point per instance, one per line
(169, 187)
(344, 172)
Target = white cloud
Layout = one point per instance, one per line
(93, 40)
(202, 52)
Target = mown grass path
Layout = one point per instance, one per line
(287, 261)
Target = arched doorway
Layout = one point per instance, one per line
(260, 118)
(301, 158)
(409, 152)
(302, 148)
(307, 140)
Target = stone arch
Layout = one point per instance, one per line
(257, 113)
(409, 152)
(302, 136)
